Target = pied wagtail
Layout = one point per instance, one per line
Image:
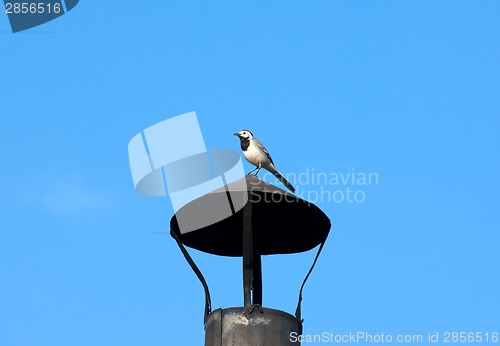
(257, 155)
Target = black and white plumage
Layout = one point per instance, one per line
(256, 153)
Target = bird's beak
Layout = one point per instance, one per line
(237, 134)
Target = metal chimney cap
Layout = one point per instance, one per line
(282, 223)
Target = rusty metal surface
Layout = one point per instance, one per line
(248, 326)
(282, 223)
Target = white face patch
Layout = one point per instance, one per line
(245, 135)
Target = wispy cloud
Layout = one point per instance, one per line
(70, 194)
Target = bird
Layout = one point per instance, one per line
(256, 153)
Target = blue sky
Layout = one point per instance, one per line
(406, 89)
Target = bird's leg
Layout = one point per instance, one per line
(258, 170)
(253, 170)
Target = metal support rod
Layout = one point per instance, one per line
(252, 267)
(247, 251)
(257, 279)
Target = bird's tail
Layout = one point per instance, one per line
(284, 181)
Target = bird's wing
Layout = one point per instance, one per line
(263, 148)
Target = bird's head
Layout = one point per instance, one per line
(244, 135)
